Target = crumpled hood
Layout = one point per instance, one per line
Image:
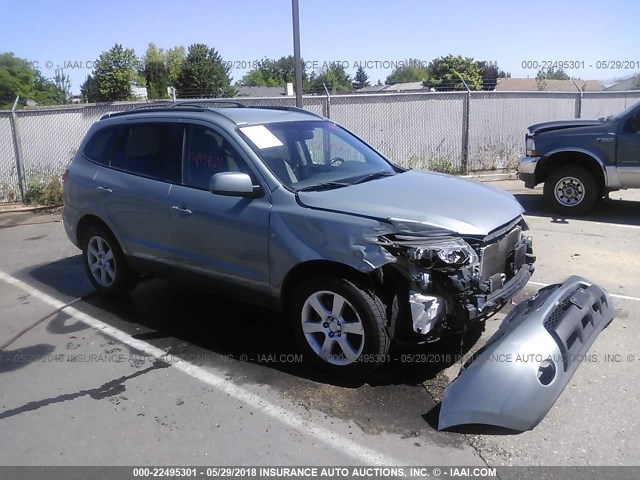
(561, 124)
(444, 201)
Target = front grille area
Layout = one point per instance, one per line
(577, 317)
(557, 313)
(495, 258)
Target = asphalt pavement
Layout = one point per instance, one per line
(85, 387)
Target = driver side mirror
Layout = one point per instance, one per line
(235, 184)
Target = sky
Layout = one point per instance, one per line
(73, 33)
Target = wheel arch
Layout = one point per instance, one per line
(88, 221)
(577, 157)
(319, 268)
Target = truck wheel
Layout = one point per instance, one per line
(105, 262)
(571, 190)
(340, 326)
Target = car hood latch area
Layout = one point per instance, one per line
(514, 380)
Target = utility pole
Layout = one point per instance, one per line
(296, 51)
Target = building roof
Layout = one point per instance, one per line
(621, 84)
(532, 85)
(371, 89)
(395, 88)
(260, 91)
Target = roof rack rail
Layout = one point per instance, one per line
(285, 108)
(186, 108)
(200, 103)
(196, 106)
(153, 105)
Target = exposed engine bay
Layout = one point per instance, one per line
(453, 281)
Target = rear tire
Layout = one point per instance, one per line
(105, 262)
(340, 326)
(571, 190)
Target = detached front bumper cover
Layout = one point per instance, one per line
(517, 376)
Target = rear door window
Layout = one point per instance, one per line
(152, 150)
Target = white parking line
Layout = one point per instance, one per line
(289, 418)
(624, 297)
(619, 225)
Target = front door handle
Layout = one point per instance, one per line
(105, 189)
(180, 209)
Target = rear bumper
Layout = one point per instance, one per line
(517, 376)
(70, 221)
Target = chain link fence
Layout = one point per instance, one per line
(445, 131)
(9, 185)
(498, 121)
(421, 131)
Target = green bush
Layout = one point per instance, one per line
(444, 165)
(44, 192)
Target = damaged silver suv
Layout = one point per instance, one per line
(284, 208)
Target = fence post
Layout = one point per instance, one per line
(465, 128)
(327, 102)
(579, 104)
(17, 147)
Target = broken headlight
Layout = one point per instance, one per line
(436, 252)
(453, 251)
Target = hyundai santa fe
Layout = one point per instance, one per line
(283, 208)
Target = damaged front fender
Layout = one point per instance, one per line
(517, 376)
(296, 237)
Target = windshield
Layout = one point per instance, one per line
(315, 154)
(622, 114)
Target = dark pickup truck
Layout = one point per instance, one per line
(581, 161)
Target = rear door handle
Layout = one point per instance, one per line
(105, 189)
(184, 210)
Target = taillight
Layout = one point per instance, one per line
(65, 175)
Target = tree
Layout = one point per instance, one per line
(174, 59)
(155, 72)
(264, 75)
(448, 73)
(273, 73)
(204, 74)
(19, 78)
(63, 83)
(552, 74)
(334, 77)
(361, 78)
(89, 90)
(637, 84)
(490, 73)
(115, 71)
(411, 70)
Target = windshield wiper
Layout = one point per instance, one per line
(371, 176)
(322, 186)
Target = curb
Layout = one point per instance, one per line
(492, 177)
(30, 209)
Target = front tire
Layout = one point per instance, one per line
(105, 262)
(340, 326)
(571, 190)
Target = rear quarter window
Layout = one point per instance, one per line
(100, 145)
